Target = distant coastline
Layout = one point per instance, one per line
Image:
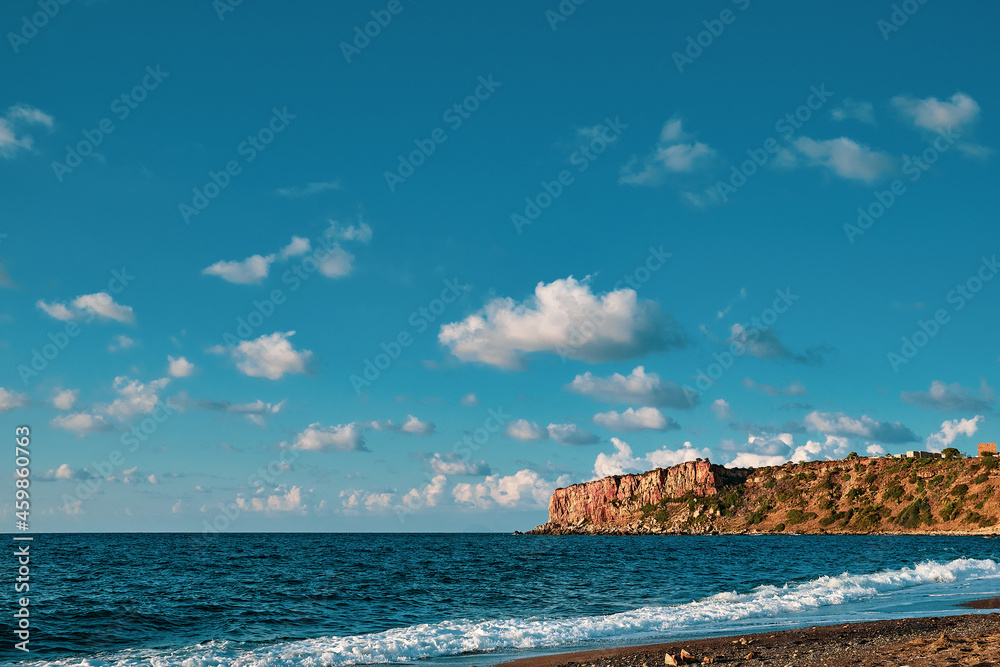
(858, 495)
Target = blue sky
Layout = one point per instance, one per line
(262, 271)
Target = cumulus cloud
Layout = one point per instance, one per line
(676, 152)
(13, 138)
(563, 317)
(360, 232)
(622, 461)
(279, 500)
(250, 271)
(936, 115)
(845, 158)
(722, 410)
(134, 397)
(950, 430)
(179, 367)
(412, 425)
(833, 448)
(854, 109)
(796, 388)
(571, 434)
(11, 399)
(525, 431)
(470, 400)
(522, 490)
(62, 400)
(82, 423)
(952, 397)
(271, 356)
(256, 411)
(88, 306)
(297, 246)
(764, 343)
(311, 188)
(352, 500)
(750, 460)
(839, 424)
(454, 464)
(876, 450)
(342, 438)
(638, 387)
(643, 419)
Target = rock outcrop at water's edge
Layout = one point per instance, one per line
(862, 495)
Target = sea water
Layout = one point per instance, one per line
(464, 599)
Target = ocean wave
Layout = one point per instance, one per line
(485, 635)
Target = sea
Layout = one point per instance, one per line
(263, 600)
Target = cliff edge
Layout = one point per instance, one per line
(852, 496)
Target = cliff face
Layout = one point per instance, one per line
(851, 496)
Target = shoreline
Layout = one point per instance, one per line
(969, 639)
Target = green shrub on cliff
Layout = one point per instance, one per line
(960, 490)
(894, 492)
(916, 513)
(795, 517)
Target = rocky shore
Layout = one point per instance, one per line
(964, 641)
(852, 496)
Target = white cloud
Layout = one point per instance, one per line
(951, 397)
(297, 246)
(563, 317)
(63, 399)
(637, 387)
(453, 463)
(250, 271)
(100, 305)
(270, 356)
(82, 423)
(134, 397)
(675, 152)
(524, 489)
(846, 158)
(469, 400)
(11, 399)
(178, 507)
(179, 367)
(361, 232)
(342, 438)
(416, 427)
(428, 497)
(950, 430)
(622, 461)
(63, 472)
(337, 263)
(749, 460)
(834, 447)
(525, 431)
(10, 140)
(281, 499)
(120, 342)
(876, 450)
(643, 419)
(838, 424)
(571, 434)
(722, 410)
(936, 115)
(255, 411)
(764, 343)
(858, 110)
(310, 188)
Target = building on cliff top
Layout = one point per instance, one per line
(922, 455)
(987, 448)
